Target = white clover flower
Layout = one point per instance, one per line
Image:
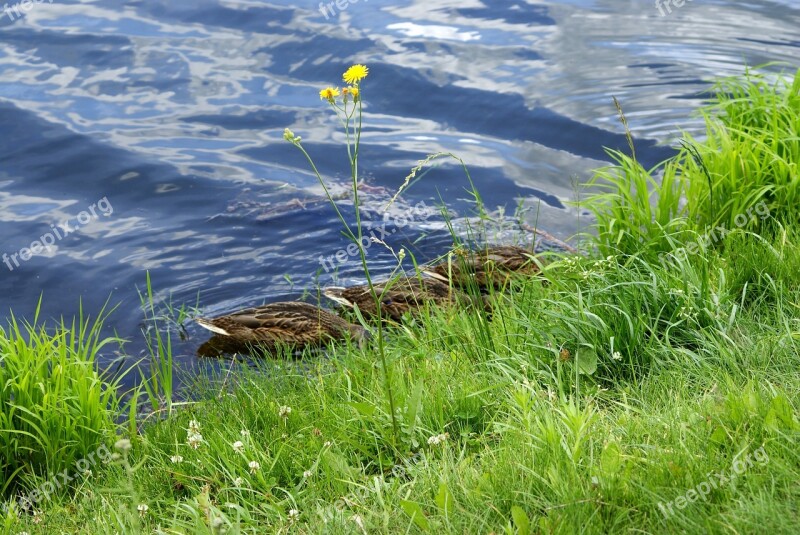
(435, 440)
(284, 411)
(255, 466)
(176, 459)
(142, 508)
(294, 514)
(238, 446)
(244, 433)
(238, 482)
(307, 474)
(194, 427)
(123, 445)
(616, 355)
(194, 440)
(327, 444)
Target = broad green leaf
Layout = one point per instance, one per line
(586, 359)
(520, 518)
(780, 414)
(718, 436)
(414, 510)
(414, 403)
(444, 499)
(611, 459)
(365, 409)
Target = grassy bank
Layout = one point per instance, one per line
(651, 385)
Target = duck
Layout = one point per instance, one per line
(267, 328)
(398, 297)
(490, 267)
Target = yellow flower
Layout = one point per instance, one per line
(355, 74)
(329, 93)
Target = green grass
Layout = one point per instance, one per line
(57, 409)
(743, 174)
(532, 434)
(649, 387)
(750, 154)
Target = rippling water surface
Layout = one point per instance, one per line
(153, 130)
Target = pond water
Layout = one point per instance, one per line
(148, 135)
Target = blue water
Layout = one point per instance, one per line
(160, 124)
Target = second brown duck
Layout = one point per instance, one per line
(405, 295)
(490, 267)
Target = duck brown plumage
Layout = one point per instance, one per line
(491, 266)
(295, 324)
(407, 294)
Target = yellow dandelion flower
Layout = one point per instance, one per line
(329, 93)
(355, 74)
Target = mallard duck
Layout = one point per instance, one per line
(291, 323)
(407, 294)
(488, 267)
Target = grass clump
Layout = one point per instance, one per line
(637, 213)
(57, 409)
(742, 176)
(749, 156)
